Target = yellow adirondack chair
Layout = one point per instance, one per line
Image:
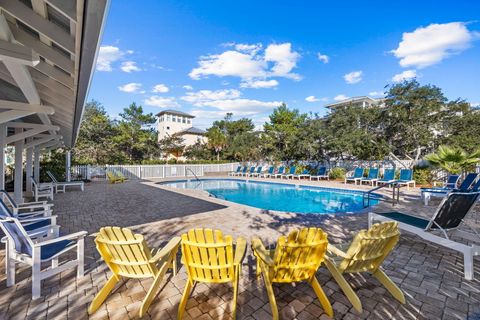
(296, 257)
(209, 257)
(111, 177)
(127, 255)
(120, 177)
(366, 253)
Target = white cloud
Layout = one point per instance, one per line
(426, 46)
(257, 84)
(215, 114)
(161, 102)
(284, 59)
(311, 99)
(198, 98)
(160, 88)
(132, 87)
(340, 97)
(353, 77)
(405, 75)
(242, 105)
(475, 104)
(106, 56)
(376, 94)
(187, 87)
(323, 57)
(250, 64)
(229, 63)
(129, 66)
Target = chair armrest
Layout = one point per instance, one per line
(241, 247)
(32, 214)
(332, 249)
(33, 203)
(76, 235)
(171, 245)
(35, 206)
(260, 251)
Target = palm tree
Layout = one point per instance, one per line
(453, 159)
(216, 140)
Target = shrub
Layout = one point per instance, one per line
(422, 175)
(337, 173)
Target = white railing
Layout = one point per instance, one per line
(152, 171)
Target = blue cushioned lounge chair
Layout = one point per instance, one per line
(428, 193)
(279, 173)
(232, 173)
(444, 223)
(372, 176)
(267, 174)
(22, 248)
(290, 173)
(406, 178)
(305, 174)
(32, 221)
(244, 170)
(246, 174)
(321, 174)
(357, 175)
(256, 173)
(388, 177)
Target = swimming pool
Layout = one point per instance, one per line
(278, 196)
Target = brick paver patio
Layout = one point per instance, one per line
(431, 276)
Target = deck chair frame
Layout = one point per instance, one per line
(60, 186)
(444, 237)
(128, 256)
(42, 190)
(291, 261)
(12, 256)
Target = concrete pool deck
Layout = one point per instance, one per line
(430, 276)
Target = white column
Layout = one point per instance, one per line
(68, 163)
(3, 136)
(36, 163)
(18, 185)
(29, 170)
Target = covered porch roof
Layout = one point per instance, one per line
(48, 50)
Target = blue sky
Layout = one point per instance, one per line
(245, 57)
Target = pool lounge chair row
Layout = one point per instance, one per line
(47, 189)
(373, 177)
(209, 256)
(451, 185)
(320, 173)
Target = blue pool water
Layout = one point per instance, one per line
(278, 196)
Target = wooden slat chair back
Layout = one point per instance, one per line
(298, 256)
(370, 247)
(211, 257)
(128, 255)
(295, 258)
(366, 253)
(208, 255)
(125, 253)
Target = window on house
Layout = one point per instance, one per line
(169, 118)
(189, 121)
(184, 120)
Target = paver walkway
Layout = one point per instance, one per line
(431, 277)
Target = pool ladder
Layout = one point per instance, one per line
(395, 194)
(188, 169)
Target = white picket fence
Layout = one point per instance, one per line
(151, 171)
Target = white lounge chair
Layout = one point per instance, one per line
(267, 174)
(22, 247)
(321, 174)
(357, 176)
(26, 207)
(42, 190)
(444, 223)
(60, 186)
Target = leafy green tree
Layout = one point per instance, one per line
(94, 143)
(453, 159)
(461, 130)
(136, 136)
(281, 131)
(172, 145)
(198, 151)
(217, 140)
(245, 146)
(412, 116)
